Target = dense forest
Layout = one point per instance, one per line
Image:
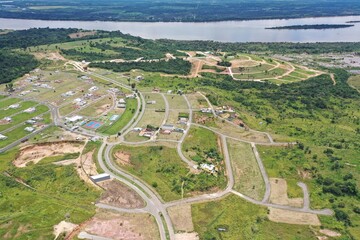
(176, 10)
(14, 65)
(174, 66)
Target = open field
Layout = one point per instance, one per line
(355, 82)
(162, 169)
(181, 218)
(160, 104)
(118, 226)
(197, 101)
(151, 117)
(251, 222)
(58, 192)
(285, 216)
(131, 106)
(176, 102)
(248, 178)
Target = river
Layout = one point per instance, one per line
(227, 31)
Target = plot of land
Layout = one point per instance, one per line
(248, 178)
(119, 195)
(181, 218)
(159, 101)
(197, 101)
(151, 117)
(34, 153)
(279, 194)
(98, 108)
(290, 217)
(118, 226)
(176, 102)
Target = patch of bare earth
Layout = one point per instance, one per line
(82, 34)
(330, 233)
(119, 195)
(186, 236)
(181, 218)
(63, 227)
(123, 158)
(279, 195)
(34, 153)
(120, 226)
(291, 217)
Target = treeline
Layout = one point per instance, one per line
(14, 65)
(175, 66)
(178, 11)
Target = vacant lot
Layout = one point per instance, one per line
(119, 195)
(176, 102)
(241, 218)
(197, 101)
(286, 216)
(151, 117)
(248, 178)
(181, 218)
(119, 226)
(279, 194)
(159, 101)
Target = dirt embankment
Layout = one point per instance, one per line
(123, 158)
(37, 152)
(119, 195)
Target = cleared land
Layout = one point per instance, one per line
(279, 194)
(120, 226)
(119, 195)
(355, 82)
(251, 222)
(248, 178)
(181, 218)
(285, 216)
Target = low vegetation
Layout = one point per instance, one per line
(162, 168)
(215, 220)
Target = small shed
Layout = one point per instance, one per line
(100, 177)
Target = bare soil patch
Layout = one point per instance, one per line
(119, 195)
(119, 226)
(53, 56)
(291, 217)
(244, 63)
(123, 158)
(181, 218)
(82, 34)
(187, 236)
(330, 233)
(279, 194)
(34, 153)
(62, 227)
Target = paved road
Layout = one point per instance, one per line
(191, 164)
(306, 195)
(263, 173)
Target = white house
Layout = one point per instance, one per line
(93, 88)
(74, 119)
(2, 137)
(29, 129)
(14, 106)
(100, 177)
(30, 110)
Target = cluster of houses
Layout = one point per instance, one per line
(167, 129)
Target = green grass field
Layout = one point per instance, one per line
(248, 178)
(31, 214)
(131, 106)
(242, 220)
(355, 82)
(151, 117)
(162, 169)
